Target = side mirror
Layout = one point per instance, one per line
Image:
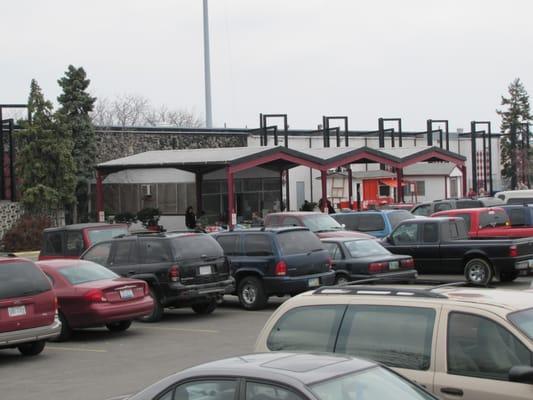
(388, 239)
(521, 374)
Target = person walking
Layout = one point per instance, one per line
(190, 218)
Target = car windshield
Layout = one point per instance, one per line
(19, 279)
(86, 272)
(321, 223)
(365, 248)
(370, 384)
(523, 320)
(196, 246)
(99, 235)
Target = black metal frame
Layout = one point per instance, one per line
(485, 134)
(430, 131)
(263, 118)
(326, 129)
(381, 131)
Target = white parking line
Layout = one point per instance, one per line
(162, 328)
(49, 347)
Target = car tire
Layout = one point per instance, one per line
(251, 293)
(341, 279)
(32, 348)
(508, 276)
(204, 308)
(119, 326)
(66, 330)
(157, 312)
(478, 271)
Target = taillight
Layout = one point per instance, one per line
(407, 263)
(281, 268)
(95, 296)
(55, 304)
(174, 274)
(513, 251)
(376, 267)
(146, 291)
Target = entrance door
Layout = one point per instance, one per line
(300, 194)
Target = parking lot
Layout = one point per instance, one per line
(97, 364)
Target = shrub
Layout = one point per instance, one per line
(26, 234)
(126, 217)
(149, 216)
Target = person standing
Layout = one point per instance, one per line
(190, 218)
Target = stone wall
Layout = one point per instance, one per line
(116, 143)
(9, 214)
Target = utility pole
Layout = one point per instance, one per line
(207, 70)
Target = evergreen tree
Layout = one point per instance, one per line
(76, 104)
(514, 117)
(44, 159)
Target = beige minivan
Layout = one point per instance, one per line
(459, 343)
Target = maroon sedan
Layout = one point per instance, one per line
(91, 295)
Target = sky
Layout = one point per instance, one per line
(414, 59)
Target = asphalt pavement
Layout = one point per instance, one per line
(97, 364)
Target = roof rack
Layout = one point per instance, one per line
(380, 291)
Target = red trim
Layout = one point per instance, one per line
(279, 155)
(324, 181)
(350, 159)
(432, 154)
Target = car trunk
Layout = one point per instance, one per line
(116, 290)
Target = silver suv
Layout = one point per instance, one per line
(459, 343)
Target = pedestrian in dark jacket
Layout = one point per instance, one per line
(190, 218)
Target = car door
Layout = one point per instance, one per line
(231, 244)
(475, 351)
(337, 258)
(401, 336)
(99, 253)
(257, 390)
(124, 260)
(259, 253)
(428, 253)
(405, 239)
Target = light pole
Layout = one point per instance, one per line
(207, 70)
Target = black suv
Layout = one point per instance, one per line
(181, 269)
(275, 261)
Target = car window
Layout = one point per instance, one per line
(74, 243)
(442, 207)
(466, 218)
(482, 348)
(493, 218)
(298, 242)
(195, 246)
(155, 251)
(423, 210)
(124, 252)
(517, 216)
(406, 234)
(454, 230)
(262, 391)
(202, 390)
(365, 248)
(258, 245)
(307, 329)
(53, 243)
(350, 220)
(520, 200)
(430, 234)
(334, 250)
(371, 222)
(468, 204)
(395, 336)
(19, 279)
(86, 272)
(99, 235)
(231, 244)
(398, 216)
(523, 320)
(321, 223)
(98, 253)
(291, 221)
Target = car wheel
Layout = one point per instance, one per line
(341, 280)
(157, 312)
(205, 308)
(66, 330)
(119, 326)
(32, 349)
(508, 276)
(251, 293)
(478, 271)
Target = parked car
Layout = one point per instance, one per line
(275, 262)
(428, 208)
(441, 245)
(471, 344)
(181, 270)
(28, 307)
(375, 223)
(90, 295)
(520, 197)
(285, 376)
(323, 225)
(519, 215)
(364, 258)
(489, 222)
(72, 240)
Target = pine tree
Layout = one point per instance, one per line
(76, 104)
(515, 116)
(44, 160)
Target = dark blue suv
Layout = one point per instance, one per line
(275, 262)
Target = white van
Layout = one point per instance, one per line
(516, 196)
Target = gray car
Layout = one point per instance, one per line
(285, 376)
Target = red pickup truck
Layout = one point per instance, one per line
(490, 222)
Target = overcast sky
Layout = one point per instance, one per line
(415, 59)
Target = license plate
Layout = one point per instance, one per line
(16, 311)
(206, 270)
(394, 265)
(126, 294)
(522, 265)
(314, 282)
